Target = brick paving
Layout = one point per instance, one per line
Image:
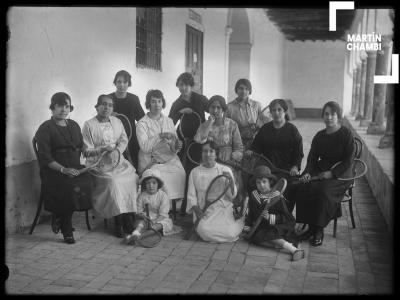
(357, 261)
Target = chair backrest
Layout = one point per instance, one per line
(359, 147)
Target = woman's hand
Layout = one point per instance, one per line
(71, 172)
(232, 182)
(294, 171)
(186, 110)
(248, 153)
(265, 215)
(325, 175)
(210, 120)
(305, 178)
(107, 148)
(166, 135)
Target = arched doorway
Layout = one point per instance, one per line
(239, 48)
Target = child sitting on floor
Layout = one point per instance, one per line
(278, 224)
(159, 203)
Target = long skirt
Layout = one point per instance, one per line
(115, 192)
(218, 223)
(62, 194)
(317, 202)
(173, 175)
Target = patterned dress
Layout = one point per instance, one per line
(115, 191)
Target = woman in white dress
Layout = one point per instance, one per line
(158, 146)
(115, 192)
(218, 223)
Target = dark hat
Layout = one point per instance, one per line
(263, 172)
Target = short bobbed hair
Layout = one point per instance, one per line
(185, 78)
(125, 75)
(220, 100)
(212, 144)
(334, 106)
(60, 98)
(155, 94)
(245, 82)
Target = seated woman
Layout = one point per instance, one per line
(218, 223)
(224, 132)
(59, 143)
(317, 202)
(156, 133)
(280, 142)
(115, 192)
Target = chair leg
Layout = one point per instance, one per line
(351, 209)
(334, 226)
(87, 220)
(37, 214)
(174, 209)
(105, 224)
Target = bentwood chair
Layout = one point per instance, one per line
(348, 197)
(40, 203)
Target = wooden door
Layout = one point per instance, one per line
(194, 57)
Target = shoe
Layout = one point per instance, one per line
(317, 240)
(298, 254)
(119, 233)
(130, 239)
(55, 224)
(69, 239)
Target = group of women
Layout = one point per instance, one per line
(232, 133)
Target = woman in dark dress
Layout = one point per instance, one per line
(60, 142)
(129, 105)
(317, 202)
(188, 102)
(281, 142)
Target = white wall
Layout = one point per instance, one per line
(313, 72)
(79, 50)
(266, 58)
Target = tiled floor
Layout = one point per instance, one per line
(357, 261)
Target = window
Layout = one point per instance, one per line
(148, 38)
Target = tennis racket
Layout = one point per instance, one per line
(106, 162)
(358, 169)
(128, 129)
(267, 162)
(150, 237)
(279, 186)
(187, 128)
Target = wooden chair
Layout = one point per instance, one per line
(40, 204)
(348, 197)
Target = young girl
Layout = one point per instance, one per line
(278, 223)
(159, 205)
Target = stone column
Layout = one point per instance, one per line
(369, 89)
(353, 93)
(361, 100)
(358, 86)
(378, 106)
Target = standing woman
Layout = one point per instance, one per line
(317, 202)
(153, 130)
(218, 223)
(129, 105)
(115, 192)
(280, 142)
(188, 102)
(246, 112)
(59, 143)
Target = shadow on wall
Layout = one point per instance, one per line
(22, 195)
